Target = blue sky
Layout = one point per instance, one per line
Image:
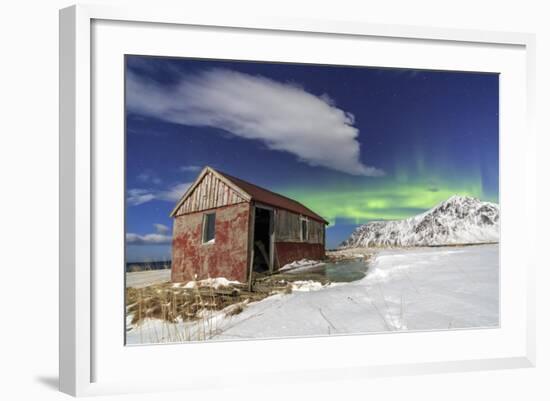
(354, 144)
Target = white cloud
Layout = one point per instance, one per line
(192, 169)
(173, 194)
(283, 116)
(157, 238)
(148, 239)
(149, 176)
(139, 196)
(161, 228)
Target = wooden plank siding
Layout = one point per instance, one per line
(316, 232)
(288, 228)
(211, 193)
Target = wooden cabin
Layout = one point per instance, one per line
(227, 227)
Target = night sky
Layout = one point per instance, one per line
(354, 144)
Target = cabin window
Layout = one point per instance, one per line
(305, 231)
(208, 227)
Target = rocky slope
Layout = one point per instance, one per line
(458, 220)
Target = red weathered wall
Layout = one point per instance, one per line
(226, 257)
(288, 252)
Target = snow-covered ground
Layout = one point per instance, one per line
(404, 289)
(147, 277)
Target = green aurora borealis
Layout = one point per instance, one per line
(385, 201)
(410, 189)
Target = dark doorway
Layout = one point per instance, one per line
(262, 240)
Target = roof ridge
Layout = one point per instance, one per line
(230, 177)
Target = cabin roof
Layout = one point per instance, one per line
(257, 194)
(271, 198)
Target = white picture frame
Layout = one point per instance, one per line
(81, 347)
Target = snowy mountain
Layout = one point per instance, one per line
(458, 220)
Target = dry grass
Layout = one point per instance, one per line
(192, 314)
(172, 302)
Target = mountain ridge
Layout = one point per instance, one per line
(456, 221)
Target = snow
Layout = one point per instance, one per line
(350, 253)
(216, 283)
(308, 285)
(459, 220)
(150, 277)
(300, 266)
(147, 278)
(404, 289)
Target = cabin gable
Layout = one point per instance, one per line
(210, 191)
